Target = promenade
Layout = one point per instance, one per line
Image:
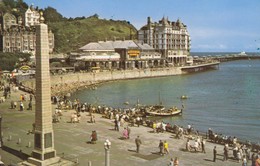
(70, 82)
(71, 141)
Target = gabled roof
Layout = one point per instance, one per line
(110, 45)
(92, 46)
(145, 46)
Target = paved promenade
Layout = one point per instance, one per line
(71, 141)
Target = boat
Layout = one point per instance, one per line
(159, 110)
(126, 103)
(243, 53)
(170, 112)
(184, 97)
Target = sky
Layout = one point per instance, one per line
(214, 25)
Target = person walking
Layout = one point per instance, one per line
(125, 133)
(138, 121)
(161, 147)
(188, 145)
(214, 153)
(171, 162)
(92, 118)
(253, 159)
(116, 125)
(176, 161)
(129, 131)
(225, 153)
(239, 156)
(203, 142)
(31, 97)
(138, 143)
(154, 127)
(21, 106)
(244, 161)
(257, 161)
(166, 147)
(93, 137)
(29, 106)
(12, 104)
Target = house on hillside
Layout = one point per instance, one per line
(16, 37)
(31, 17)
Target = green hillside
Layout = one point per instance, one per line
(71, 34)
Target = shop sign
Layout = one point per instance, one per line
(133, 52)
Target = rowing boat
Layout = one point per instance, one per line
(169, 112)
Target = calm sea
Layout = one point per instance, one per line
(226, 100)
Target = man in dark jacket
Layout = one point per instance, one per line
(138, 142)
(161, 147)
(214, 154)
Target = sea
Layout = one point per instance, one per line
(224, 99)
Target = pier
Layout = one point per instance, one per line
(212, 62)
(225, 58)
(201, 66)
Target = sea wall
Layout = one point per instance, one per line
(83, 79)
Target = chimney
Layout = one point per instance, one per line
(148, 20)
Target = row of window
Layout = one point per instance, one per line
(172, 36)
(149, 55)
(168, 43)
(18, 44)
(13, 49)
(169, 46)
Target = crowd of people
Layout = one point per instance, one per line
(126, 118)
(195, 142)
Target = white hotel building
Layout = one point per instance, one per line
(171, 39)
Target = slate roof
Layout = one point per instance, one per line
(112, 45)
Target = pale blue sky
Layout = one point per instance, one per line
(214, 25)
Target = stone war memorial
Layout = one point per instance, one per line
(44, 153)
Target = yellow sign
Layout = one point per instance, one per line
(24, 67)
(133, 52)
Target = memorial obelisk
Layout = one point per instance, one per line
(44, 153)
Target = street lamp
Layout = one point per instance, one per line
(107, 145)
(1, 139)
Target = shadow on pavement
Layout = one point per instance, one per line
(15, 152)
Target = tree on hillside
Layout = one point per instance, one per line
(51, 15)
(10, 3)
(94, 16)
(21, 4)
(9, 60)
(16, 7)
(2, 7)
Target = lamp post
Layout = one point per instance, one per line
(107, 145)
(1, 139)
